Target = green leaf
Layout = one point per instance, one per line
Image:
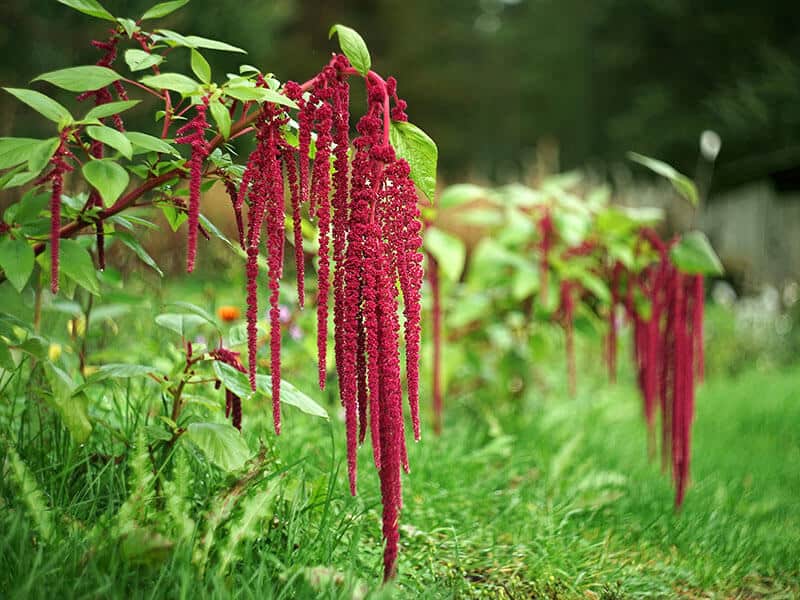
(200, 67)
(77, 265)
(89, 7)
(181, 324)
(222, 444)
(139, 60)
(221, 117)
(16, 260)
(132, 243)
(175, 217)
(449, 252)
(129, 25)
(163, 9)
(42, 154)
(72, 410)
(682, 184)
(172, 81)
(461, 193)
(15, 151)
(195, 41)
(47, 107)
(694, 255)
(353, 47)
(108, 177)
(292, 396)
(111, 137)
(414, 145)
(81, 79)
(259, 94)
(111, 108)
(238, 383)
(149, 143)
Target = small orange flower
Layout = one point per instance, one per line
(228, 313)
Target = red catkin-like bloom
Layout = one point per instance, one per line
(233, 403)
(320, 198)
(667, 351)
(369, 250)
(290, 161)
(58, 167)
(547, 239)
(193, 133)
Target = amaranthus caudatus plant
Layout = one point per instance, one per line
(563, 254)
(360, 193)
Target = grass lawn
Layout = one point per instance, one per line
(555, 499)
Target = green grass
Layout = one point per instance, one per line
(554, 498)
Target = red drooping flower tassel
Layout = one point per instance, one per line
(547, 233)
(58, 166)
(233, 403)
(297, 225)
(193, 133)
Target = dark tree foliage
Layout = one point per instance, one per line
(601, 78)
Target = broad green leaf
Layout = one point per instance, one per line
(132, 243)
(259, 94)
(238, 383)
(221, 117)
(461, 193)
(89, 7)
(414, 145)
(353, 47)
(449, 252)
(77, 265)
(182, 324)
(129, 25)
(195, 310)
(682, 184)
(108, 177)
(174, 216)
(172, 81)
(139, 60)
(149, 143)
(195, 41)
(73, 410)
(15, 151)
(41, 155)
(292, 396)
(234, 381)
(221, 443)
(111, 137)
(47, 107)
(694, 255)
(163, 9)
(16, 260)
(15, 178)
(209, 226)
(110, 108)
(200, 67)
(81, 79)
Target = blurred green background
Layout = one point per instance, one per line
(498, 82)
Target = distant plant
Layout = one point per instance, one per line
(564, 252)
(363, 200)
